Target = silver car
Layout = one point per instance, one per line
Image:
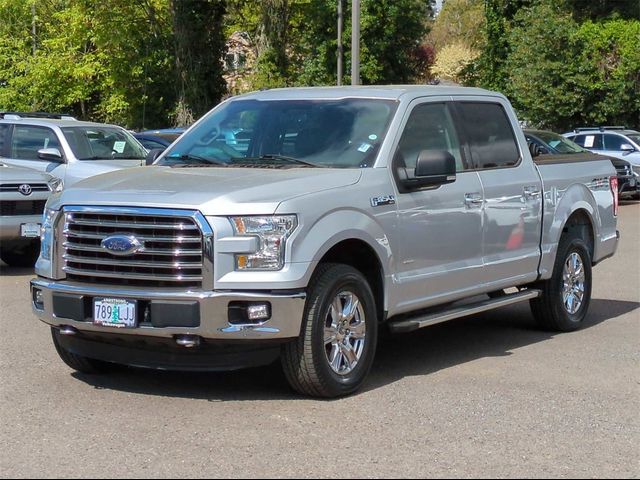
(66, 148)
(23, 194)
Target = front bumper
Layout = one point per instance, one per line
(10, 226)
(70, 304)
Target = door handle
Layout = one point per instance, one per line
(530, 192)
(473, 199)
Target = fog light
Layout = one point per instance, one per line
(258, 311)
(38, 299)
(249, 313)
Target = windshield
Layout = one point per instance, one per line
(635, 138)
(559, 143)
(103, 143)
(345, 133)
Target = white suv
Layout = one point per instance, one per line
(66, 148)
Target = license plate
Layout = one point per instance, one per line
(114, 312)
(30, 230)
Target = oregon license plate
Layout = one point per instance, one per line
(30, 230)
(114, 312)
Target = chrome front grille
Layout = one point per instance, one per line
(171, 253)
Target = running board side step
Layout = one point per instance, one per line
(415, 323)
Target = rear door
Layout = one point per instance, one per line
(512, 189)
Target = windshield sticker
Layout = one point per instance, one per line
(373, 137)
(118, 147)
(589, 140)
(364, 148)
(46, 142)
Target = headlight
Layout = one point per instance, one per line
(272, 233)
(56, 185)
(46, 233)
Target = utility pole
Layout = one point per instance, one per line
(33, 27)
(355, 42)
(340, 45)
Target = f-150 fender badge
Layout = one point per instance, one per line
(383, 200)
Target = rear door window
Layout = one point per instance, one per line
(4, 134)
(592, 141)
(489, 135)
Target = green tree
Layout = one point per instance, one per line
(562, 74)
(199, 46)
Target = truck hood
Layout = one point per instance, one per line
(212, 191)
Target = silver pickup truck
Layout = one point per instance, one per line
(299, 222)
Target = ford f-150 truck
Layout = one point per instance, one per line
(335, 212)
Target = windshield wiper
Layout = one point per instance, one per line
(280, 158)
(195, 161)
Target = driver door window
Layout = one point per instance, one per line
(430, 127)
(26, 141)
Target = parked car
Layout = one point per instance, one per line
(618, 142)
(350, 209)
(152, 139)
(552, 143)
(66, 148)
(23, 194)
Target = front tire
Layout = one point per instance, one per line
(78, 362)
(566, 295)
(21, 256)
(334, 352)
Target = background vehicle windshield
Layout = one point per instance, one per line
(102, 143)
(343, 133)
(635, 137)
(560, 143)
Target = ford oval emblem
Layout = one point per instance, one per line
(121, 245)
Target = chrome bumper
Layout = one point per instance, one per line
(285, 322)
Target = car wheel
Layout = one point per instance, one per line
(335, 350)
(23, 256)
(78, 362)
(566, 295)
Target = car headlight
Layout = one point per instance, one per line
(56, 185)
(272, 233)
(46, 233)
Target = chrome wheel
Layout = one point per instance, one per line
(344, 333)
(573, 283)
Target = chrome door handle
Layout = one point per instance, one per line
(531, 192)
(473, 199)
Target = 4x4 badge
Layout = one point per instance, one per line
(25, 189)
(383, 200)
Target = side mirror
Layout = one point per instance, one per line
(534, 149)
(153, 154)
(627, 148)
(51, 155)
(433, 168)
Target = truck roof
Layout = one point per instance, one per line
(391, 92)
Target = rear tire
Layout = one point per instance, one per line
(78, 362)
(334, 352)
(566, 295)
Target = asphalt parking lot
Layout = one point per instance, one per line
(485, 396)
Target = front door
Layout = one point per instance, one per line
(439, 229)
